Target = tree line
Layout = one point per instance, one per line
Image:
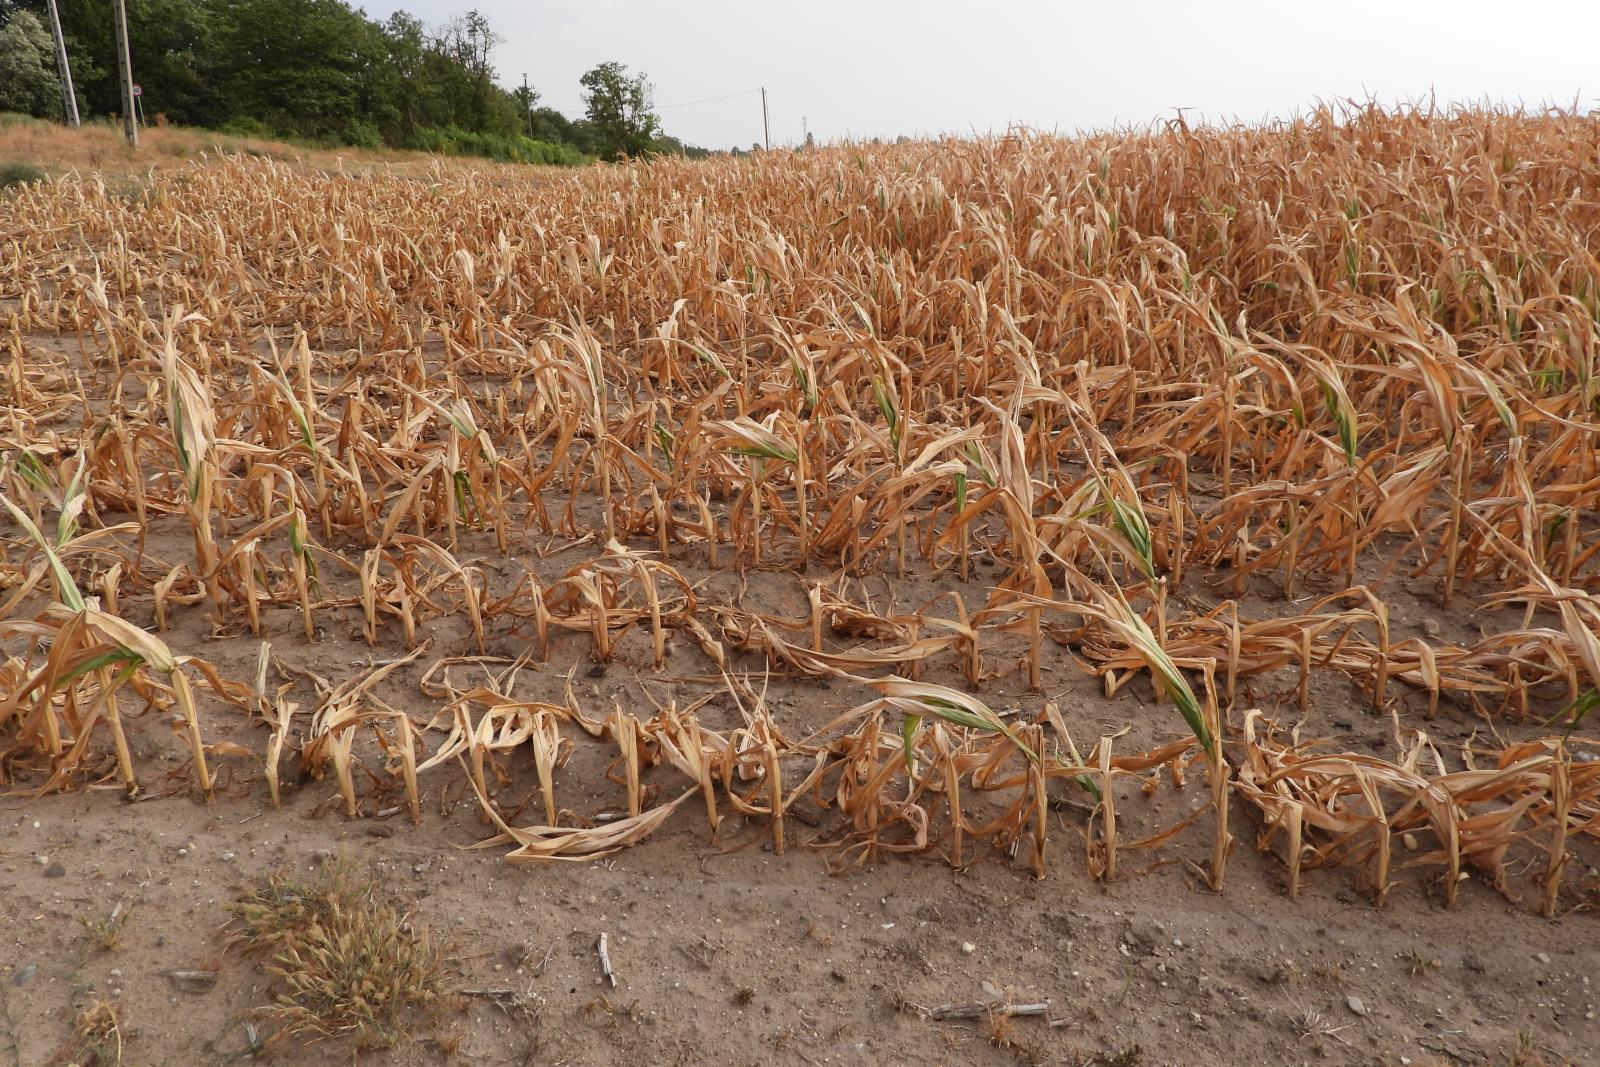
(320, 71)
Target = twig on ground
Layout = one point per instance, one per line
(980, 1009)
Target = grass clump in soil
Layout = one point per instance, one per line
(104, 934)
(17, 173)
(96, 1036)
(344, 961)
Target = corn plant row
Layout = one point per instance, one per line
(1190, 406)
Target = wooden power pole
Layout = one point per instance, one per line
(766, 129)
(69, 99)
(130, 127)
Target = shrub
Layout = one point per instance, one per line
(361, 134)
(454, 141)
(20, 174)
(247, 126)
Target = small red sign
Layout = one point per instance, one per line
(138, 90)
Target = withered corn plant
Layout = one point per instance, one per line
(1182, 408)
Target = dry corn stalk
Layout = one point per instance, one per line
(909, 360)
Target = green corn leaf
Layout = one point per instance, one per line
(1135, 529)
(1339, 407)
(909, 725)
(666, 440)
(66, 589)
(891, 417)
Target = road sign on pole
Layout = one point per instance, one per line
(138, 90)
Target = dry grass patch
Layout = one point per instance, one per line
(344, 961)
(97, 1038)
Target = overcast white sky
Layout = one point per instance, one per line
(870, 68)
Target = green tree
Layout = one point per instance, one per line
(551, 125)
(304, 67)
(319, 69)
(28, 81)
(462, 73)
(413, 96)
(621, 112)
(175, 56)
(668, 145)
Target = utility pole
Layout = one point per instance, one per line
(766, 129)
(130, 127)
(527, 100)
(69, 99)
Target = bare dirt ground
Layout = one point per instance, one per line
(725, 950)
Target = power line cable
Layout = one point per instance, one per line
(709, 99)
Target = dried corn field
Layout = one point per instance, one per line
(1095, 504)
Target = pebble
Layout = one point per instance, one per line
(21, 978)
(968, 947)
(1355, 1005)
(42, 860)
(56, 870)
(1430, 627)
(227, 857)
(1542, 957)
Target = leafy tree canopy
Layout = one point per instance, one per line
(28, 81)
(320, 70)
(620, 110)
